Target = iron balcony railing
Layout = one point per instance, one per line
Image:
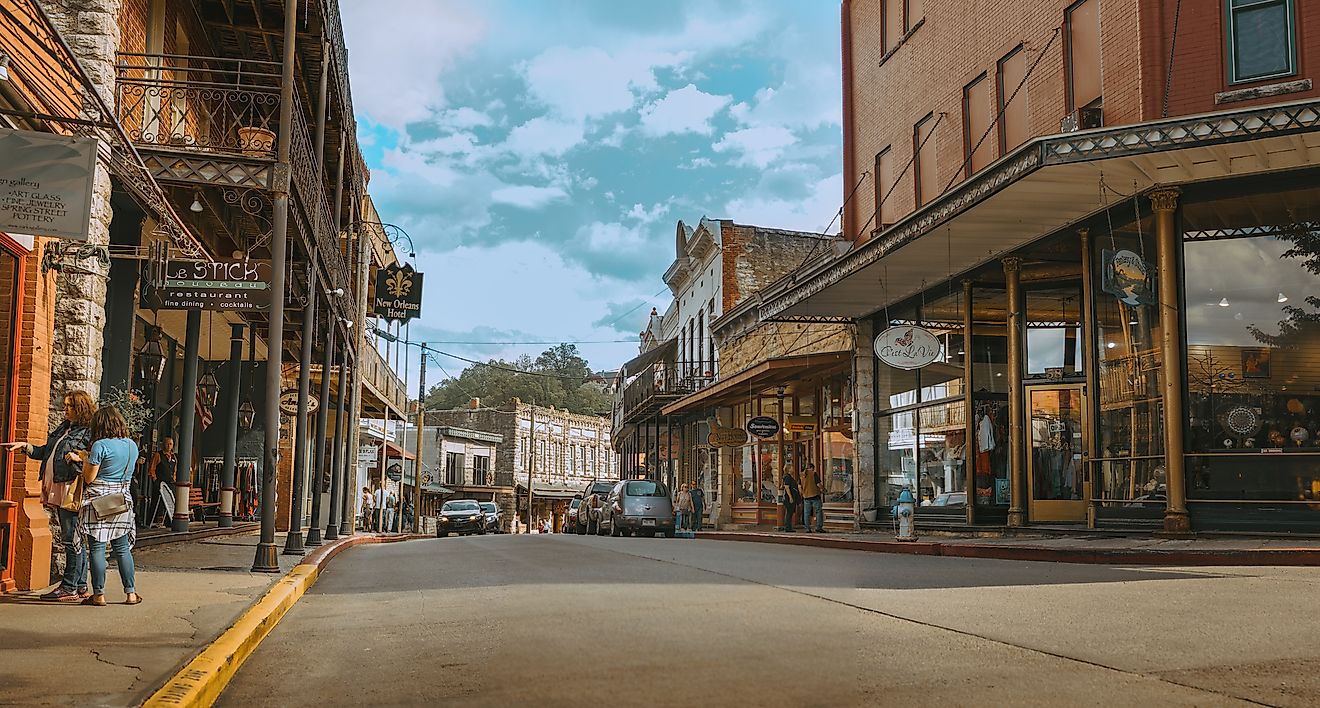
(665, 381)
(380, 377)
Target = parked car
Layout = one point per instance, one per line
(571, 516)
(493, 522)
(638, 506)
(460, 516)
(592, 500)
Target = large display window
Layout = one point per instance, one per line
(1251, 261)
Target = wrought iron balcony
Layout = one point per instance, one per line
(662, 383)
(378, 375)
(207, 104)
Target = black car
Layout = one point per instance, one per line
(460, 516)
(492, 513)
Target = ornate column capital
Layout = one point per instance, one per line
(1012, 264)
(1165, 199)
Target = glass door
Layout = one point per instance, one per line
(1056, 424)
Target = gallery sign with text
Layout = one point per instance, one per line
(398, 293)
(46, 183)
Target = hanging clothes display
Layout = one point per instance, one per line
(247, 494)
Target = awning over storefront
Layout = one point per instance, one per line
(436, 489)
(1041, 188)
(768, 373)
(550, 490)
(393, 450)
(663, 350)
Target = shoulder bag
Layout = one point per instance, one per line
(109, 505)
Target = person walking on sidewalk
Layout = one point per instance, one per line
(58, 470)
(107, 509)
(364, 509)
(811, 498)
(792, 495)
(682, 507)
(698, 505)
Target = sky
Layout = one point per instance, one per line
(540, 152)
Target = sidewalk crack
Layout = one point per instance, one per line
(97, 654)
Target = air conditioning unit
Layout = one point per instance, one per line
(1082, 119)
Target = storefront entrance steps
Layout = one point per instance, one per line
(1101, 548)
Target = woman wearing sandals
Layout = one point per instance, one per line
(107, 508)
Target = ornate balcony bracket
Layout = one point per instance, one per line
(64, 257)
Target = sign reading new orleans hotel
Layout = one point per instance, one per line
(46, 183)
(398, 293)
(216, 285)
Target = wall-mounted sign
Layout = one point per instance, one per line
(907, 347)
(727, 437)
(368, 455)
(398, 293)
(1126, 275)
(801, 424)
(289, 402)
(239, 285)
(763, 426)
(46, 183)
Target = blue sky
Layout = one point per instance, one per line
(540, 152)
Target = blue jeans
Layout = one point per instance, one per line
(813, 504)
(679, 519)
(75, 562)
(698, 514)
(123, 553)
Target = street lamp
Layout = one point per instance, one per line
(151, 358)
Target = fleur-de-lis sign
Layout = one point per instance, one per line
(399, 284)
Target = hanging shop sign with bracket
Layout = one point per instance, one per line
(398, 294)
(233, 285)
(907, 347)
(46, 183)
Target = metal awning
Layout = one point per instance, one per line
(663, 350)
(1038, 189)
(544, 490)
(754, 380)
(392, 450)
(436, 489)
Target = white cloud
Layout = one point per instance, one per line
(643, 215)
(685, 110)
(697, 163)
(810, 213)
(544, 136)
(590, 82)
(527, 197)
(463, 117)
(405, 60)
(758, 146)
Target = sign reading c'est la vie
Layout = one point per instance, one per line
(907, 347)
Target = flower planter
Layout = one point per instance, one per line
(256, 142)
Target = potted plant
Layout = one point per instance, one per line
(256, 141)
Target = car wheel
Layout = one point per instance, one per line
(600, 527)
(626, 533)
(441, 534)
(615, 531)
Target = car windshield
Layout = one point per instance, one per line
(488, 507)
(460, 506)
(575, 504)
(645, 488)
(601, 488)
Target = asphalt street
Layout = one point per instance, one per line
(588, 621)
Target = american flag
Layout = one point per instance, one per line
(203, 413)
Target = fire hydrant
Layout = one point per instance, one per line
(905, 509)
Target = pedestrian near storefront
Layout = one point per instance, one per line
(59, 468)
(378, 505)
(164, 469)
(106, 518)
(364, 509)
(811, 498)
(698, 496)
(682, 506)
(792, 495)
(391, 502)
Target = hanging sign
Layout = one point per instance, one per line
(398, 294)
(368, 455)
(907, 347)
(801, 424)
(242, 285)
(46, 183)
(1126, 275)
(727, 437)
(289, 402)
(763, 426)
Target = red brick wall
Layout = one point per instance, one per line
(957, 41)
(1200, 64)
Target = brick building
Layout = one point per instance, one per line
(1109, 283)
(560, 452)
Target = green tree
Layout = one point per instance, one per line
(558, 377)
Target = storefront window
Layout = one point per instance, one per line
(896, 437)
(747, 473)
(1253, 334)
(1129, 465)
(1054, 332)
(990, 449)
(838, 477)
(767, 460)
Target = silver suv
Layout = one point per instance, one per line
(593, 500)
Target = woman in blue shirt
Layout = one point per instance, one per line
(109, 470)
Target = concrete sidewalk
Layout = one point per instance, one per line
(1114, 550)
(67, 654)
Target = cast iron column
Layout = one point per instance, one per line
(969, 405)
(187, 416)
(332, 524)
(266, 559)
(1165, 204)
(1017, 468)
(293, 540)
(231, 425)
(322, 422)
(1092, 398)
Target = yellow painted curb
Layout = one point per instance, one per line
(201, 681)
